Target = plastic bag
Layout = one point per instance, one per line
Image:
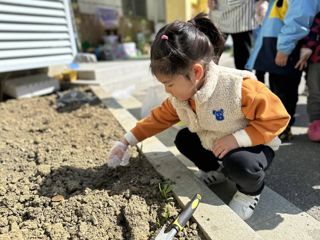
(124, 93)
(154, 97)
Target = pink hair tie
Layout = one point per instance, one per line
(164, 37)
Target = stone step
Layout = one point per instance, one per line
(274, 218)
(118, 76)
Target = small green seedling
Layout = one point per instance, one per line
(165, 190)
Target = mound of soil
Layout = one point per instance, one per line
(55, 183)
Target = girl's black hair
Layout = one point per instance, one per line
(179, 44)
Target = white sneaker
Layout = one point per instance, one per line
(211, 177)
(243, 204)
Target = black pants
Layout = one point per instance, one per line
(244, 166)
(241, 48)
(260, 75)
(286, 88)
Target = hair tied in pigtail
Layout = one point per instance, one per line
(193, 22)
(164, 37)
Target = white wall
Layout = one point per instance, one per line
(156, 10)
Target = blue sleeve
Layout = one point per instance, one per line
(297, 22)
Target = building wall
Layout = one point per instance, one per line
(184, 9)
(35, 34)
(89, 6)
(156, 10)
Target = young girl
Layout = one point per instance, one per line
(232, 120)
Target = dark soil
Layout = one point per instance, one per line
(55, 183)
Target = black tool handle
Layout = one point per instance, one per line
(187, 212)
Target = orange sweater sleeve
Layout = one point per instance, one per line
(160, 119)
(266, 114)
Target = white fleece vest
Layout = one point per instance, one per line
(218, 105)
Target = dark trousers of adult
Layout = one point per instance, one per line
(260, 75)
(313, 83)
(244, 166)
(242, 43)
(286, 88)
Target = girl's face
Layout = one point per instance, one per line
(181, 86)
(178, 86)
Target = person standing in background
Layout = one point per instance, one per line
(276, 49)
(311, 51)
(235, 18)
(261, 10)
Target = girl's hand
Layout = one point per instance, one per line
(224, 145)
(119, 154)
(305, 53)
(261, 9)
(281, 59)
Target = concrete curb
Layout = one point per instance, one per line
(215, 219)
(275, 216)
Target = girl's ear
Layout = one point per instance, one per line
(198, 71)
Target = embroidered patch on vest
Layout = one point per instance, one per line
(218, 114)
